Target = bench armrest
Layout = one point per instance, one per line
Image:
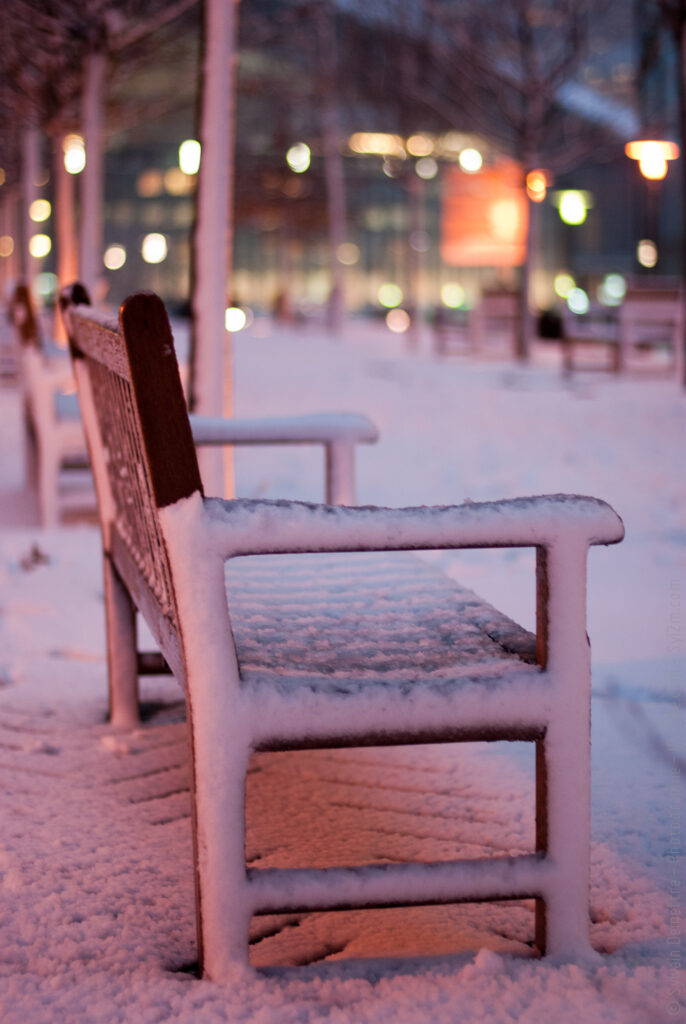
(321, 428)
(338, 432)
(264, 527)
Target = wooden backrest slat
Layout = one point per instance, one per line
(98, 337)
(159, 395)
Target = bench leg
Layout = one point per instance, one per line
(48, 473)
(540, 938)
(219, 846)
(563, 760)
(340, 473)
(122, 659)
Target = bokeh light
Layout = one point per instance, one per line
(46, 284)
(379, 143)
(6, 245)
(115, 257)
(563, 284)
(298, 157)
(177, 182)
(578, 301)
(40, 246)
(652, 156)
(426, 168)
(40, 210)
(470, 160)
(150, 183)
(612, 290)
(536, 186)
(154, 248)
(189, 156)
(74, 150)
(573, 207)
(646, 253)
(390, 295)
(397, 320)
(419, 145)
(235, 319)
(347, 253)
(452, 294)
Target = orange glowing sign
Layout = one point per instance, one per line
(484, 217)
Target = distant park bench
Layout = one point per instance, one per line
(54, 440)
(325, 650)
(651, 320)
(643, 332)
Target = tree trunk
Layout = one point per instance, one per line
(415, 260)
(213, 239)
(333, 165)
(681, 354)
(524, 319)
(92, 179)
(28, 264)
(65, 236)
(10, 228)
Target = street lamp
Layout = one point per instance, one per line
(652, 156)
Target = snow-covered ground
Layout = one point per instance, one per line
(96, 902)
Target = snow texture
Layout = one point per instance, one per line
(96, 887)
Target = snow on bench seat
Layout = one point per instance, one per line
(389, 619)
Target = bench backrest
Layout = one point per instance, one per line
(140, 444)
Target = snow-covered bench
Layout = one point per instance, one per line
(650, 318)
(54, 439)
(301, 647)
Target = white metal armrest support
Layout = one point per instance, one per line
(337, 432)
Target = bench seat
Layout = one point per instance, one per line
(390, 618)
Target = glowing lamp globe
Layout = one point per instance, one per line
(652, 156)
